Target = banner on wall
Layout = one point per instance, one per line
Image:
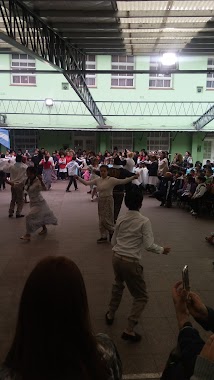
(5, 138)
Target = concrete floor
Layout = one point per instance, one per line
(75, 237)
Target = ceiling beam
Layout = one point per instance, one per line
(86, 26)
(121, 14)
(95, 35)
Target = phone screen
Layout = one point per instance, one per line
(185, 278)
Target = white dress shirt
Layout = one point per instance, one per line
(17, 172)
(133, 231)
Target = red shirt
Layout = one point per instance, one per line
(62, 163)
(68, 159)
(46, 165)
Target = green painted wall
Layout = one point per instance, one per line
(181, 142)
(50, 85)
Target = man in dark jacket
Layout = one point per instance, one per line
(118, 193)
(164, 192)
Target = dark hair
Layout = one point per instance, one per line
(46, 158)
(201, 178)
(104, 166)
(74, 158)
(19, 158)
(134, 198)
(54, 339)
(117, 160)
(2, 155)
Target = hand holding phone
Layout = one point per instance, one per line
(185, 278)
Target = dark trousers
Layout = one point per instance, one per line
(118, 200)
(71, 180)
(162, 198)
(195, 204)
(2, 180)
(62, 175)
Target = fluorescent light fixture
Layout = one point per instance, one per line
(168, 59)
(49, 102)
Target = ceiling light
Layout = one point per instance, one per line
(49, 102)
(168, 59)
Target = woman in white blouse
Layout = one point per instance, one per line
(130, 164)
(162, 164)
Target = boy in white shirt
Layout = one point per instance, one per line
(132, 232)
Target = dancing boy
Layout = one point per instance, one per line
(132, 231)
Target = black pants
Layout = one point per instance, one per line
(62, 175)
(2, 180)
(118, 200)
(195, 204)
(162, 198)
(71, 180)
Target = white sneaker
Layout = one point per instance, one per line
(194, 213)
(191, 211)
(92, 200)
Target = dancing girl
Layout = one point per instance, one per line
(105, 185)
(40, 214)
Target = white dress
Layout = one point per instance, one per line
(40, 214)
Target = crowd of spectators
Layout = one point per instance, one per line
(54, 338)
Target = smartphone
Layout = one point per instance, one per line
(185, 278)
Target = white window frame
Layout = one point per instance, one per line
(155, 64)
(210, 77)
(121, 62)
(158, 141)
(22, 62)
(91, 64)
(122, 140)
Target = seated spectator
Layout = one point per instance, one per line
(188, 189)
(178, 183)
(164, 192)
(209, 175)
(195, 357)
(198, 194)
(54, 338)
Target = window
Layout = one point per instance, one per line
(122, 62)
(158, 141)
(22, 62)
(90, 64)
(210, 77)
(24, 139)
(159, 80)
(122, 140)
(207, 150)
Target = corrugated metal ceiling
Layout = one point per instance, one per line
(105, 27)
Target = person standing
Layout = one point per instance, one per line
(62, 167)
(132, 232)
(117, 171)
(162, 164)
(47, 172)
(105, 185)
(17, 179)
(72, 168)
(40, 214)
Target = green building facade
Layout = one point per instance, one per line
(141, 110)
